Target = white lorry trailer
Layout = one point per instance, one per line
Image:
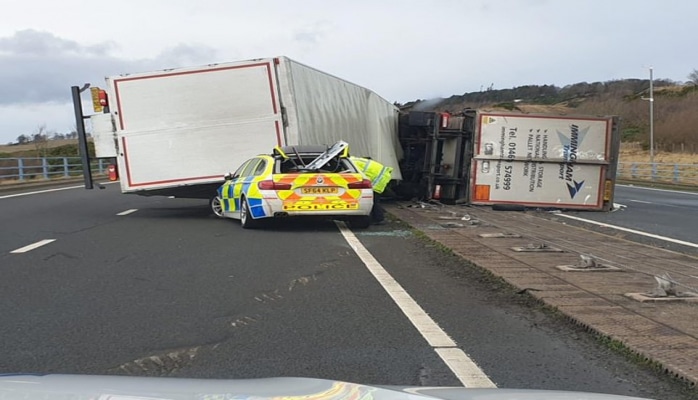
(178, 132)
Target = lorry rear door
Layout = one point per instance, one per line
(191, 125)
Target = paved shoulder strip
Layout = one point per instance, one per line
(32, 246)
(460, 364)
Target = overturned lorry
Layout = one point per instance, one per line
(507, 158)
(177, 132)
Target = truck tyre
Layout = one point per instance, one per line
(361, 222)
(216, 206)
(246, 220)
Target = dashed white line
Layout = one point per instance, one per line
(641, 201)
(462, 366)
(32, 246)
(620, 228)
(127, 212)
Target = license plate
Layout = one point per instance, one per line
(319, 190)
(320, 207)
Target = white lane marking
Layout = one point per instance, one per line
(659, 190)
(127, 212)
(7, 196)
(40, 191)
(32, 246)
(460, 364)
(640, 201)
(620, 228)
(464, 368)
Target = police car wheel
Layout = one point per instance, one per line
(246, 220)
(216, 206)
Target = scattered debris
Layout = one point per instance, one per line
(617, 207)
(537, 248)
(162, 364)
(528, 289)
(588, 263)
(666, 290)
(499, 235)
(665, 287)
(303, 280)
(269, 296)
(244, 321)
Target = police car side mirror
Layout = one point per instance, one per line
(228, 176)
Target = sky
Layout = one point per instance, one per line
(403, 50)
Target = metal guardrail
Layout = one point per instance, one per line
(681, 174)
(32, 168)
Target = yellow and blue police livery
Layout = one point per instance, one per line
(296, 181)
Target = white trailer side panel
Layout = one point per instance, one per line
(541, 161)
(192, 125)
(322, 109)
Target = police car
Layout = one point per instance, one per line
(296, 181)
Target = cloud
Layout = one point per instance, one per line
(34, 43)
(184, 54)
(40, 67)
(311, 34)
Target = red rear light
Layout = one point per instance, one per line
(271, 185)
(365, 184)
(266, 185)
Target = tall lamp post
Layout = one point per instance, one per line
(651, 118)
(651, 100)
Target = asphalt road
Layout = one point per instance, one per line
(667, 213)
(167, 289)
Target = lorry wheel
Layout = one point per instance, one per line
(362, 222)
(216, 206)
(246, 220)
